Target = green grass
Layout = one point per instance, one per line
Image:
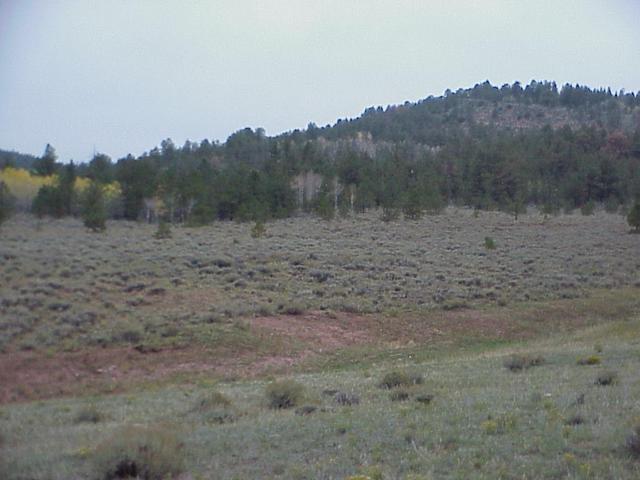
(483, 422)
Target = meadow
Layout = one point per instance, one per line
(409, 350)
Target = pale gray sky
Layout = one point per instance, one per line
(122, 75)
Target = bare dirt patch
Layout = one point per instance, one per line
(29, 375)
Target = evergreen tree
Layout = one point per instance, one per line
(93, 209)
(66, 189)
(324, 205)
(101, 168)
(412, 204)
(46, 165)
(7, 203)
(634, 217)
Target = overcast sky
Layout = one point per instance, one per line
(121, 75)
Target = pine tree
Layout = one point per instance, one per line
(634, 217)
(412, 205)
(94, 214)
(46, 165)
(7, 202)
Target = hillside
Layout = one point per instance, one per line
(435, 120)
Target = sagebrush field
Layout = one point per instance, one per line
(455, 346)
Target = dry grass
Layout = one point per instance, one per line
(126, 287)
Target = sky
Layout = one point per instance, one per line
(119, 76)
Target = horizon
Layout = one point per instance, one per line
(284, 68)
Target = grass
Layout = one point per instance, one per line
(73, 294)
(323, 350)
(481, 420)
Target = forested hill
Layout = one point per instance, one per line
(487, 147)
(433, 120)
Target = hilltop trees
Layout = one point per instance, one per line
(484, 147)
(46, 165)
(100, 169)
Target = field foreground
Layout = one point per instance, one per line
(393, 343)
(461, 414)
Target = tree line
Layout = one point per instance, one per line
(406, 160)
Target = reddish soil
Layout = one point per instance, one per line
(38, 375)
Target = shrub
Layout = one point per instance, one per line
(135, 451)
(588, 208)
(576, 419)
(293, 309)
(633, 442)
(633, 218)
(258, 230)
(214, 399)
(346, 399)
(216, 408)
(517, 363)
(590, 360)
(399, 395)
(89, 414)
(306, 410)
(607, 378)
(489, 243)
(425, 399)
(499, 425)
(489, 427)
(284, 394)
(395, 379)
(164, 230)
(127, 333)
(390, 214)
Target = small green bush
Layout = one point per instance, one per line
(213, 400)
(134, 451)
(306, 410)
(489, 243)
(590, 360)
(346, 399)
(293, 309)
(399, 395)
(607, 378)
(258, 230)
(424, 399)
(575, 419)
(517, 363)
(164, 230)
(501, 424)
(395, 379)
(588, 208)
(215, 408)
(284, 394)
(89, 414)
